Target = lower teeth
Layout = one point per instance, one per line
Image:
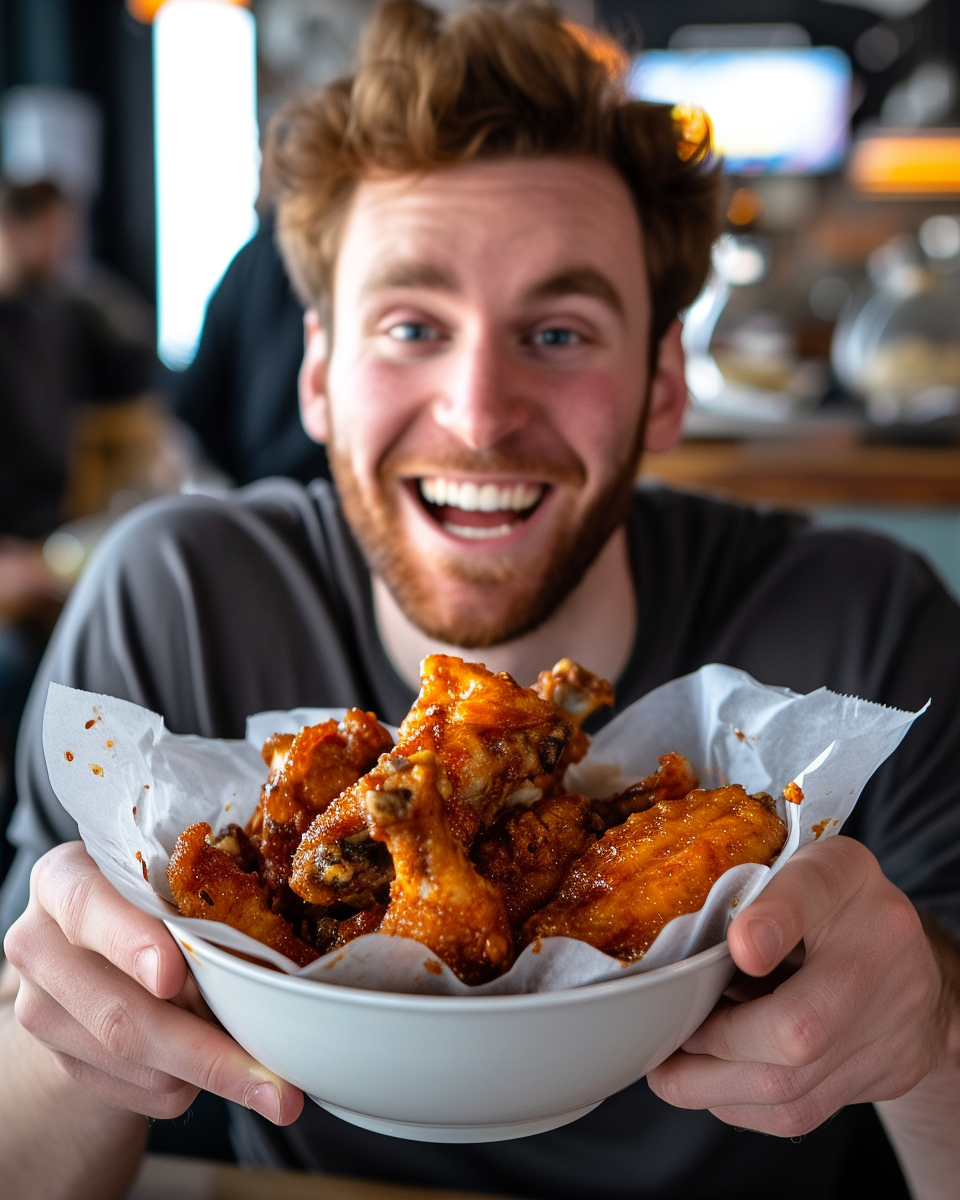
(477, 532)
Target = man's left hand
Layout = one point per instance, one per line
(865, 1018)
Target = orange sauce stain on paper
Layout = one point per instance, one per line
(821, 827)
(740, 734)
(143, 866)
(134, 810)
(110, 743)
(96, 768)
(333, 961)
(536, 947)
(68, 755)
(433, 967)
(90, 724)
(792, 794)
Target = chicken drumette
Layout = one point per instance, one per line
(436, 898)
(208, 881)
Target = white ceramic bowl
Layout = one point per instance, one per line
(453, 1068)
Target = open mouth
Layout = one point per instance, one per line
(478, 511)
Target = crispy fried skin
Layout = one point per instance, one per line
(656, 866)
(437, 898)
(366, 921)
(496, 741)
(672, 780)
(578, 692)
(526, 851)
(306, 773)
(210, 883)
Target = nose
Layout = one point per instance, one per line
(478, 403)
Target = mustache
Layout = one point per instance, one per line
(486, 462)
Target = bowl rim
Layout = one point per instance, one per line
(372, 998)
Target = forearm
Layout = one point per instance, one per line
(57, 1142)
(924, 1124)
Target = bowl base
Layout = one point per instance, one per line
(454, 1133)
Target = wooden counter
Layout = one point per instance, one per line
(165, 1177)
(826, 470)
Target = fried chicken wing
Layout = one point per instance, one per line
(209, 882)
(307, 772)
(526, 851)
(656, 866)
(437, 898)
(498, 743)
(672, 780)
(578, 692)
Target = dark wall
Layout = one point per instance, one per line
(97, 47)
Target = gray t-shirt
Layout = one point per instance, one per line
(206, 610)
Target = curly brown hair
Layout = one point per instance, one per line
(491, 81)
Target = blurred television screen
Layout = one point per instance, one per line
(782, 111)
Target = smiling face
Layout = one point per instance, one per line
(483, 398)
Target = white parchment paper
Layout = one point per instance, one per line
(133, 787)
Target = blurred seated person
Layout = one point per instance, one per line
(239, 395)
(58, 351)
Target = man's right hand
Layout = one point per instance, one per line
(105, 988)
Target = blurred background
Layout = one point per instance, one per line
(149, 339)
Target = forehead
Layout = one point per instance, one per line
(514, 219)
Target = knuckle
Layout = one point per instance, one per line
(802, 1036)
(216, 1072)
(18, 943)
(797, 1118)
(115, 1028)
(173, 1104)
(73, 896)
(29, 1008)
(776, 1086)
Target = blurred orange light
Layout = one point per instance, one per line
(145, 11)
(907, 164)
(745, 206)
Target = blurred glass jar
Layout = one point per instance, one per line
(897, 345)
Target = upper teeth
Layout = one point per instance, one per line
(487, 497)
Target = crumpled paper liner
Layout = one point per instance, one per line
(133, 787)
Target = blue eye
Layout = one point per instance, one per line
(411, 331)
(557, 337)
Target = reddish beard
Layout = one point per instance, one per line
(538, 588)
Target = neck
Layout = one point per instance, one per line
(595, 626)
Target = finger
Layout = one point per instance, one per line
(121, 1094)
(50, 1023)
(69, 886)
(818, 881)
(136, 1027)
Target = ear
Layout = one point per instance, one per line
(668, 394)
(312, 380)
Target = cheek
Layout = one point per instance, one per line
(596, 414)
(372, 404)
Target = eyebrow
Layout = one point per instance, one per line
(410, 275)
(582, 281)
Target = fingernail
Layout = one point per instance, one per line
(767, 940)
(147, 967)
(265, 1099)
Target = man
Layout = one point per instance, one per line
(494, 245)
